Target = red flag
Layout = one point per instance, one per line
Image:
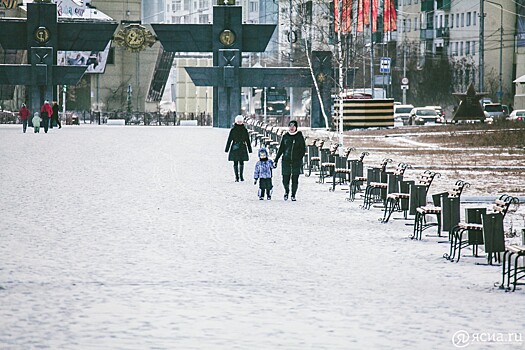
(389, 16)
(346, 15)
(360, 16)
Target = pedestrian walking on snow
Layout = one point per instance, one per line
(24, 116)
(45, 113)
(238, 146)
(263, 173)
(36, 122)
(292, 149)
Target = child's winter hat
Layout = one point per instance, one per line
(263, 150)
(294, 123)
(239, 119)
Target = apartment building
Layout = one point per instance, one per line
(452, 28)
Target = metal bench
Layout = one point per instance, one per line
(420, 221)
(412, 195)
(376, 191)
(342, 169)
(372, 175)
(512, 271)
(482, 227)
(314, 158)
(327, 161)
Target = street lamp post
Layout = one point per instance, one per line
(500, 89)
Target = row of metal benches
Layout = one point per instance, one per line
(389, 191)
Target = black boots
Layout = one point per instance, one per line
(241, 171)
(238, 172)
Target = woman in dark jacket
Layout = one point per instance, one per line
(238, 145)
(292, 149)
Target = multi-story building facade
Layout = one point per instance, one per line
(452, 28)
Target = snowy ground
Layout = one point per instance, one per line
(138, 238)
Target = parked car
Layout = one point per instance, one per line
(423, 115)
(485, 101)
(441, 114)
(495, 111)
(517, 115)
(402, 113)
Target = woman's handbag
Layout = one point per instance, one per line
(236, 146)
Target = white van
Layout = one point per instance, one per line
(402, 113)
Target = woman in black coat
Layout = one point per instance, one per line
(292, 149)
(238, 145)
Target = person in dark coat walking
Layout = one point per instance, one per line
(55, 118)
(238, 146)
(292, 149)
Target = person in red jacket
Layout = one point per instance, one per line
(24, 116)
(45, 113)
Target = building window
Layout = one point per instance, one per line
(451, 21)
(461, 48)
(469, 19)
(462, 19)
(474, 16)
(446, 21)
(177, 6)
(457, 20)
(467, 48)
(409, 25)
(254, 6)
(455, 51)
(203, 19)
(415, 23)
(175, 20)
(473, 48)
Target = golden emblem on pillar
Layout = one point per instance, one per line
(227, 37)
(321, 77)
(134, 38)
(42, 35)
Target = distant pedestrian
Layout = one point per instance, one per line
(55, 119)
(263, 173)
(292, 149)
(24, 116)
(238, 146)
(36, 122)
(45, 113)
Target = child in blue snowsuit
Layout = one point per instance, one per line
(263, 173)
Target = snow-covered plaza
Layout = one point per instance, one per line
(138, 238)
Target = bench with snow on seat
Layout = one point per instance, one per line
(327, 161)
(376, 191)
(342, 168)
(412, 194)
(484, 226)
(512, 271)
(446, 208)
(372, 175)
(313, 152)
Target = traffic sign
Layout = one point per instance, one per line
(385, 65)
(404, 81)
(404, 87)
